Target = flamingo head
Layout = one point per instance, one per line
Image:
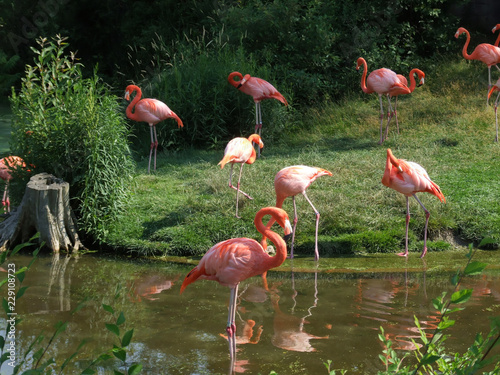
(497, 27)
(460, 31)
(421, 77)
(360, 62)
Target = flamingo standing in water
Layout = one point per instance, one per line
(289, 182)
(384, 82)
(409, 178)
(240, 150)
(151, 111)
(259, 90)
(237, 259)
(495, 87)
(413, 84)
(6, 165)
(487, 53)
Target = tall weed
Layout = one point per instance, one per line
(72, 127)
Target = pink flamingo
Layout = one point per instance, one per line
(495, 87)
(237, 259)
(240, 150)
(289, 182)
(259, 89)
(7, 164)
(413, 84)
(384, 82)
(494, 30)
(151, 111)
(409, 178)
(487, 53)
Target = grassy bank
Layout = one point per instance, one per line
(186, 206)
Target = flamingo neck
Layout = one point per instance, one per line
(132, 104)
(498, 39)
(232, 81)
(363, 77)
(466, 45)
(275, 238)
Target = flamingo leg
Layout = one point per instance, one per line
(5, 199)
(427, 215)
(237, 188)
(316, 212)
(295, 220)
(381, 120)
(258, 124)
(396, 114)
(151, 147)
(156, 145)
(496, 118)
(231, 325)
(390, 113)
(405, 253)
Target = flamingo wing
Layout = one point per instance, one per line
(229, 262)
(294, 180)
(385, 81)
(153, 111)
(260, 89)
(238, 150)
(487, 53)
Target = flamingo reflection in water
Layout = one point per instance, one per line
(146, 286)
(289, 331)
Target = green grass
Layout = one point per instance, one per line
(186, 207)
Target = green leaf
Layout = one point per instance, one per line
(486, 241)
(429, 359)
(88, 371)
(121, 319)
(21, 291)
(108, 308)
(461, 296)
(120, 353)
(113, 328)
(446, 324)
(474, 268)
(134, 369)
(127, 337)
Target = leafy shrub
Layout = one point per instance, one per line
(72, 127)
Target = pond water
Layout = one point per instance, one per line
(304, 319)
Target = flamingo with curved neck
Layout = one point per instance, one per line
(484, 52)
(151, 111)
(384, 82)
(232, 261)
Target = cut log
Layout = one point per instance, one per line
(44, 208)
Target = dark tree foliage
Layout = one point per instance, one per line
(176, 50)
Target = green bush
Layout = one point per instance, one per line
(72, 127)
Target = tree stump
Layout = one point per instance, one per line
(44, 208)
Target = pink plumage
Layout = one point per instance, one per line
(484, 52)
(291, 181)
(385, 83)
(409, 178)
(232, 261)
(240, 150)
(151, 111)
(259, 90)
(6, 165)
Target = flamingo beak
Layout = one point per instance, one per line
(127, 95)
(421, 82)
